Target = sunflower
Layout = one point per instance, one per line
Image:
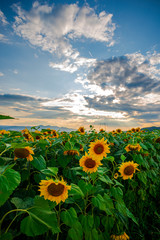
(2, 132)
(99, 149)
(102, 130)
(81, 130)
(158, 140)
(123, 236)
(116, 175)
(23, 153)
(133, 130)
(131, 147)
(118, 130)
(89, 164)
(55, 191)
(28, 136)
(71, 152)
(138, 129)
(127, 169)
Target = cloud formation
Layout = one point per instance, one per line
(3, 19)
(54, 28)
(128, 84)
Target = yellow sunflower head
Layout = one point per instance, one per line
(123, 236)
(116, 175)
(28, 136)
(102, 130)
(55, 191)
(131, 147)
(118, 130)
(2, 132)
(127, 169)
(99, 149)
(89, 164)
(26, 152)
(81, 130)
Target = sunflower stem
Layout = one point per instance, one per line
(58, 216)
(14, 210)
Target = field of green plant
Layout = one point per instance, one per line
(81, 185)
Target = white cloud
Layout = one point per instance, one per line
(3, 38)
(54, 28)
(72, 66)
(3, 19)
(1, 74)
(77, 104)
(15, 71)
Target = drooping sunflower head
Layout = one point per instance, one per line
(138, 129)
(133, 147)
(81, 130)
(55, 191)
(89, 164)
(26, 152)
(158, 140)
(118, 130)
(133, 130)
(127, 169)
(123, 236)
(71, 153)
(28, 136)
(99, 149)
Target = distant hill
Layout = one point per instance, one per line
(151, 128)
(5, 117)
(19, 128)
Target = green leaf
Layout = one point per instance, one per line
(9, 181)
(39, 162)
(69, 217)
(86, 187)
(87, 222)
(76, 191)
(76, 232)
(117, 193)
(110, 158)
(142, 177)
(50, 171)
(130, 215)
(19, 145)
(40, 219)
(91, 235)
(108, 223)
(6, 236)
(100, 202)
(143, 146)
(105, 179)
(123, 157)
(22, 203)
(108, 200)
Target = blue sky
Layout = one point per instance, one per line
(70, 63)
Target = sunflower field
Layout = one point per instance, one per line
(79, 185)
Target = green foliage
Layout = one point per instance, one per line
(99, 204)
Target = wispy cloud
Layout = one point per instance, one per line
(54, 28)
(1, 74)
(3, 18)
(3, 38)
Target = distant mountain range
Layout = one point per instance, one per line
(19, 128)
(151, 128)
